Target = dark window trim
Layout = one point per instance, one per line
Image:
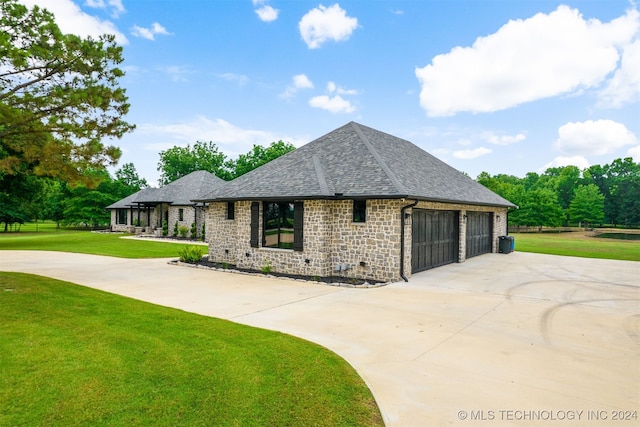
(298, 225)
(180, 214)
(231, 215)
(121, 216)
(359, 211)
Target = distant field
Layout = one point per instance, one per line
(47, 239)
(580, 244)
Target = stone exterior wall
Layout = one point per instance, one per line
(132, 220)
(369, 250)
(190, 215)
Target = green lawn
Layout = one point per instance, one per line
(74, 356)
(578, 244)
(89, 243)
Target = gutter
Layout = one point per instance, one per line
(402, 213)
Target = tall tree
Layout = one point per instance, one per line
(86, 205)
(541, 208)
(258, 156)
(177, 162)
(587, 205)
(129, 178)
(59, 97)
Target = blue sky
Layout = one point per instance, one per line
(500, 86)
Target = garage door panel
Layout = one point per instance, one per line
(479, 233)
(434, 239)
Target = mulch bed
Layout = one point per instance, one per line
(331, 280)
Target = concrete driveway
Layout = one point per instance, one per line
(519, 339)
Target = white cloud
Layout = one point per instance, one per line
(634, 152)
(149, 33)
(624, 87)
(332, 87)
(115, 5)
(593, 137)
(471, 154)
(72, 20)
(525, 60)
(335, 104)
(267, 13)
(231, 139)
(240, 79)
(495, 139)
(299, 81)
(561, 161)
(178, 73)
(326, 23)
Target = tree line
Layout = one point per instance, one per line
(31, 198)
(60, 99)
(563, 196)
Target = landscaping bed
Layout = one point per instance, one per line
(329, 280)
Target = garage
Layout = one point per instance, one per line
(434, 239)
(478, 233)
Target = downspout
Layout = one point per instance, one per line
(402, 211)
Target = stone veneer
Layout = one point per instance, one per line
(190, 214)
(371, 249)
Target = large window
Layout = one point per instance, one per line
(121, 216)
(278, 225)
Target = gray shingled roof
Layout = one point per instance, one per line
(355, 161)
(180, 192)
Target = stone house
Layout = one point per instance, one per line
(357, 203)
(145, 210)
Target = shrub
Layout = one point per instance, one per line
(203, 232)
(183, 230)
(193, 230)
(165, 228)
(175, 229)
(266, 267)
(190, 254)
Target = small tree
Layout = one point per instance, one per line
(175, 229)
(587, 205)
(193, 230)
(165, 228)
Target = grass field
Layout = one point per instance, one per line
(580, 244)
(74, 356)
(87, 242)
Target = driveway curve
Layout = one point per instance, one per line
(519, 339)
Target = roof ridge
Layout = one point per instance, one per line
(322, 181)
(399, 186)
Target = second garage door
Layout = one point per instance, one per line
(479, 233)
(434, 239)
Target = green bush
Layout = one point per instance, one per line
(203, 232)
(175, 229)
(193, 230)
(266, 268)
(190, 254)
(183, 230)
(165, 228)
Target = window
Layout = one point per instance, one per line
(231, 210)
(359, 211)
(282, 225)
(278, 225)
(180, 214)
(121, 216)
